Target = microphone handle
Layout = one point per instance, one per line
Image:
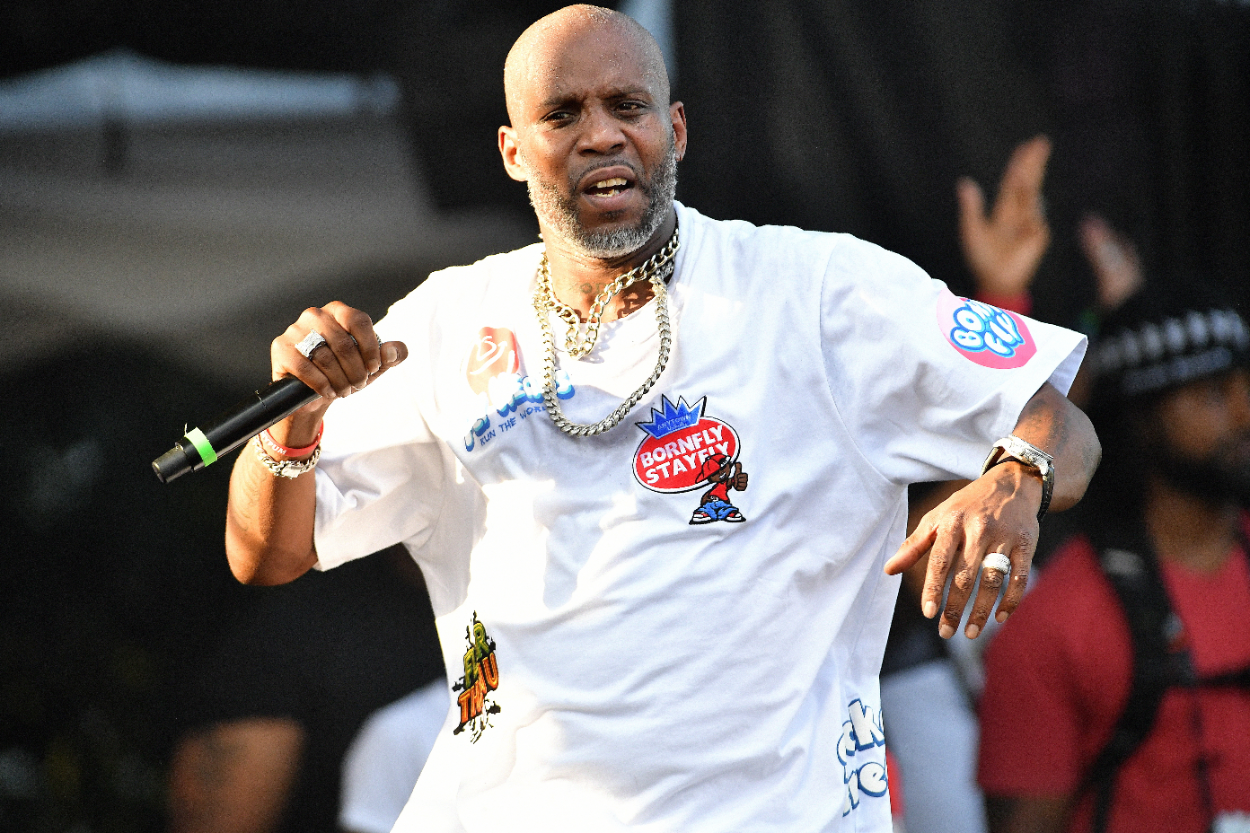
(202, 447)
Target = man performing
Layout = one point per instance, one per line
(616, 666)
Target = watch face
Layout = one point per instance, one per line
(1027, 451)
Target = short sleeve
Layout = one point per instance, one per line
(382, 475)
(927, 381)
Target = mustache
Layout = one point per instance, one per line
(599, 165)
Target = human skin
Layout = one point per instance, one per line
(586, 89)
(588, 99)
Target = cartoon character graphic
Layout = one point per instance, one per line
(481, 677)
(726, 474)
(685, 449)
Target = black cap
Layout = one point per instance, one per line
(1163, 338)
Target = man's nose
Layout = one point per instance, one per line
(601, 132)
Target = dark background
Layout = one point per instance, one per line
(843, 115)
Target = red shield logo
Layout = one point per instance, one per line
(679, 442)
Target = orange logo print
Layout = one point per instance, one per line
(494, 354)
(481, 677)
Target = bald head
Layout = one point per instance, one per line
(537, 56)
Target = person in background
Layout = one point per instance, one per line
(1117, 698)
(269, 712)
(386, 758)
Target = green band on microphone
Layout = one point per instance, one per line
(202, 445)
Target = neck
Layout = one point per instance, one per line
(1189, 530)
(577, 278)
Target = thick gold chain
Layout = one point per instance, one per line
(576, 343)
(656, 269)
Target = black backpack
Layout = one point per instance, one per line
(1160, 660)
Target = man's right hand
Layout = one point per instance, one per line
(270, 519)
(350, 359)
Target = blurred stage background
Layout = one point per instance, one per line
(178, 181)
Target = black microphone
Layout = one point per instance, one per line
(203, 447)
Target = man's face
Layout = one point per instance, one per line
(1204, 446)
(596, 141)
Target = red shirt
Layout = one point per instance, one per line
(1058, 675)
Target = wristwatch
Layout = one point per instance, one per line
(1014, 448)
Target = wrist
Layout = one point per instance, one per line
(285, 452)
(295, 436)
(1026, 481)
(1013, 449)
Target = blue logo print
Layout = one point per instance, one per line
(983, 327)
(863, 732)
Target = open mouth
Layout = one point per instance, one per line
(608, 187)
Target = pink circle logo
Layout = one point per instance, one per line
(986, 335)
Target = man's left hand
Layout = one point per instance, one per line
(997, 512)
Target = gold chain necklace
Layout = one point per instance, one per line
(658, 267)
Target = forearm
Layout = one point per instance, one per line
(1053, 424)
(270, 521)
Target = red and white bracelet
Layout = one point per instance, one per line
(292, 453)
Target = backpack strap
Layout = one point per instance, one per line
(1158, 661)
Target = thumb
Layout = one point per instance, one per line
(916, 545)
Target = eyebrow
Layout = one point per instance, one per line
(618, 92)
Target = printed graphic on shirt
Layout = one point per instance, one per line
(504, 396)
(988, 336)
(685, 450)
(481, 677)
(862, 773)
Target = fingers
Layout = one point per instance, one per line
(1019, 207)
(957, 535)
(978, 568)
(971, 206)
(1026, 169)
(1114, 260)
(911, 551)
(1018, 581)
(350, 357)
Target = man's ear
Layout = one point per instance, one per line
(677, 114)
(509, 150)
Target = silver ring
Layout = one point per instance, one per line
(997, 561)
(310, 343)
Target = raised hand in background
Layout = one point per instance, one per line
(1004, 248)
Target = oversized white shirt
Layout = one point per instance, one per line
(621, 661)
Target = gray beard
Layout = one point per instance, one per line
(559, 212)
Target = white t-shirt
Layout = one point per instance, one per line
(386, 756)
(627, 662)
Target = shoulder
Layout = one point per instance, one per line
(506, 273)
(775, 244)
